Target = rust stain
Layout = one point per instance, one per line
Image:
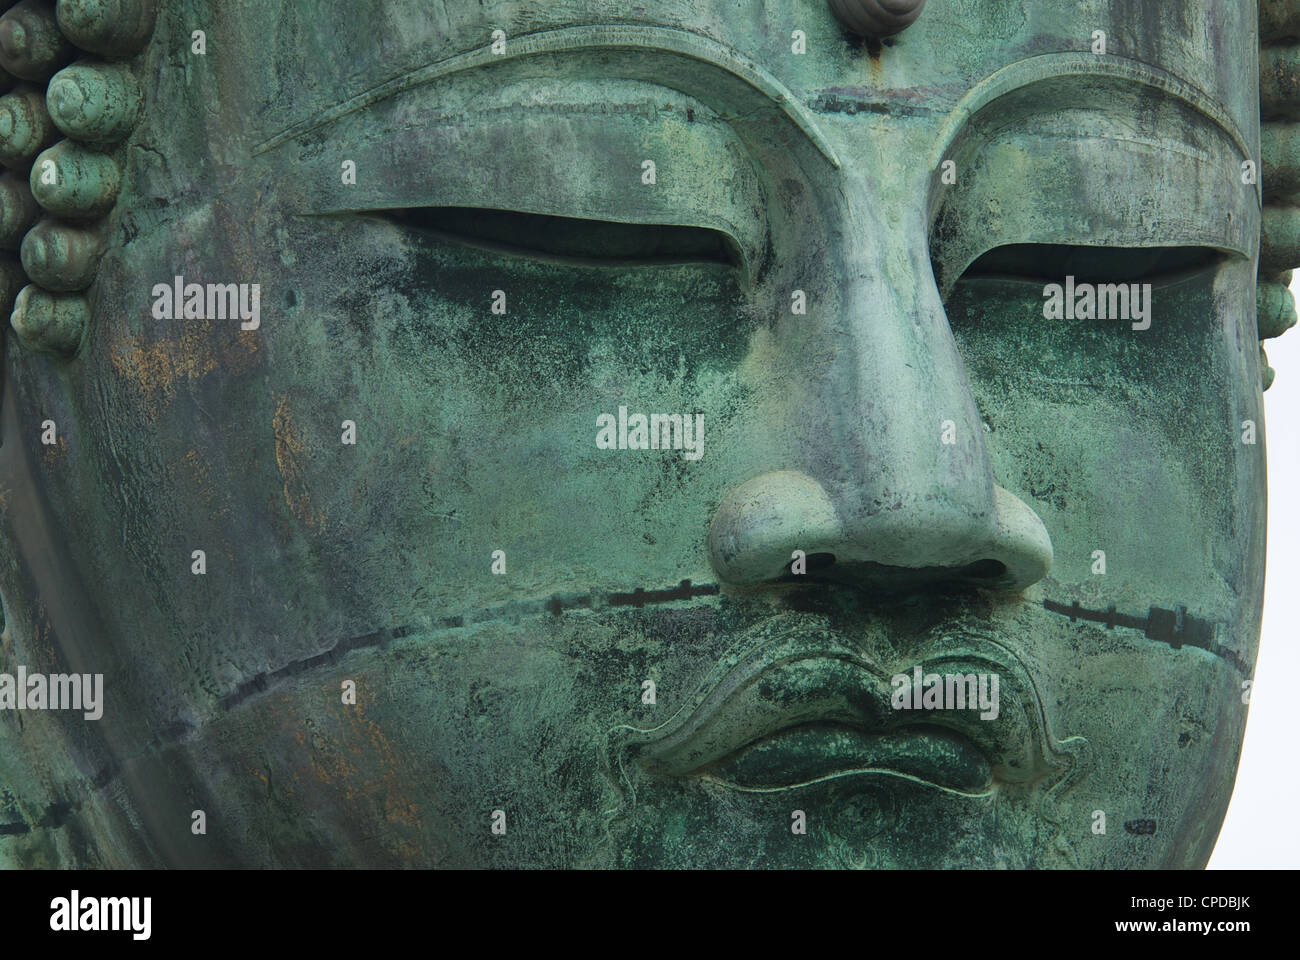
(157, 369)
(54, 452)
(351, 754)
(289, 452)
(351, 772)
(368, 740)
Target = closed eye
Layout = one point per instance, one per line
(568, 239)
(1051, 263)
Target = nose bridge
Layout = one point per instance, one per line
(911, 435)
(890, 468)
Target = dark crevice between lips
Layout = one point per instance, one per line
(815, 751)
(884, 578)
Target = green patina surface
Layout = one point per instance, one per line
(948, 459)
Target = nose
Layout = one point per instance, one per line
(887, 475)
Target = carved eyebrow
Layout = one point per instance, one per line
(664, 40)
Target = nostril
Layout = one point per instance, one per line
(884, 578)
(985, 570)
(813, 564)
(917, 544)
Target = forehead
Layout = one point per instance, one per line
(311, 56)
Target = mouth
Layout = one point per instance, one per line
(794, 704)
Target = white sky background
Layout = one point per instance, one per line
(1262, 828)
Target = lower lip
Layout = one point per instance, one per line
(809, 753)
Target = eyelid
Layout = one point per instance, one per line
(1114, 88)
(1050, 263)
(580, 167)
(1087, 193)
(1075, 150)
(568, 240)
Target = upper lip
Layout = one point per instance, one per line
(811, 689)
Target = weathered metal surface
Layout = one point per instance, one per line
(948, 457)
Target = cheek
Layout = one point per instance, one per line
(1126, 442)
(1129, 446)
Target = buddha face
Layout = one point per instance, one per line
(677, 437)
